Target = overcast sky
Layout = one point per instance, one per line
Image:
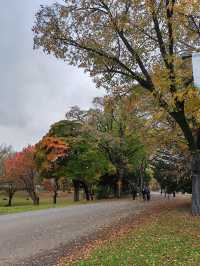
(36, 89)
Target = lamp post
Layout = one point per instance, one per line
(195, 166)
(196, 69)
(195, 66)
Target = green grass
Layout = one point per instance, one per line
(172, 239)
(22, 203)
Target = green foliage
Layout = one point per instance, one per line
(103, 192)
(98, 141)
(86, 161)
(116, 129)
(65, 129)
(83, 159)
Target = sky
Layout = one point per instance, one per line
(36, 89)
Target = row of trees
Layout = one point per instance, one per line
(103, 149)
(136, 50)
(116, 146)
(98, 150)
(133, 44)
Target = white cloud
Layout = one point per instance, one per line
(36, 89)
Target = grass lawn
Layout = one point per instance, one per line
(171, 238)
(21, 202)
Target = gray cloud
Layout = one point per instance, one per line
(36, 89)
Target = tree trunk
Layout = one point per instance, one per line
(34, 197)
(76, 190)
(91, 192)
(55, 197)
(119, 182)
(141, 173)
(10, 192)
(56, 187)
(141, 183)
(134, 194)
(91, 195)
(195, 167)
(115, 190)
(87, 194)
(133, 189)
(119, 185)
(10, 200)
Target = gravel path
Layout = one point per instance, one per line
(26, 238)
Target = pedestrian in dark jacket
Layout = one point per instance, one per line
(144, 193)
(148, 194)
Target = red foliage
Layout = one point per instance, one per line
(21, 165)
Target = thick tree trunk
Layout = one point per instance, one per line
(87, 194)
(76, 190)
(196, 184)
(91, 195)
(55, 197)
(10, 192)
(10, 200)
(91, 192)
(133, 189)
(134, 194)
(56, 187)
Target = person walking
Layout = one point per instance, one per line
(148, 194)
(144, 194)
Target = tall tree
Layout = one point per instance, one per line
(110, 124)
(49, 157)
(79, 159)
(122, 43)
(85, 162)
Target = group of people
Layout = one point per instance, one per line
(146, 193)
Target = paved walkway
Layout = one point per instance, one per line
(29, 235)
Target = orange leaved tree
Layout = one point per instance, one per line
(51, 153)
(21, 169)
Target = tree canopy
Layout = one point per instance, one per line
(124, 43)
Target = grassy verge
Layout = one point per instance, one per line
(21, 203)
(171, 238)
